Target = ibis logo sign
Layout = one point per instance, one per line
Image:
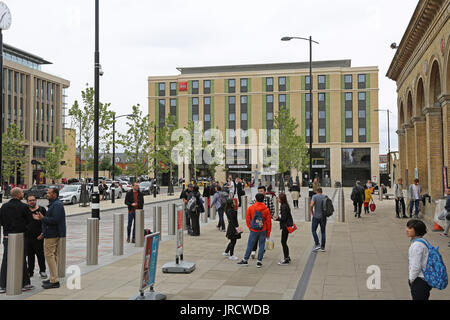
(183, 86)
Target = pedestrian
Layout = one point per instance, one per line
(259, 223)
(445, 214)
(399, 199)
(367, 199)
(231, 187)
(268, 201)
(220, 200)
(357, 196)
(295, 193)
(34, 238)
(232, 233)
(318, 218)
(285, 221)
(316, 185)
(14, 218)
(134, 199)
(240, 190)
(195, 211)
(414, 194)
(418, 258)
(54, 228)
(185, 196)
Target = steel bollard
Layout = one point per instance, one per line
(205, 216)
(244, 207)
(140, 222)
(92, 244)
(341, 205)
(157, 217)
(307, 209)
(213, 212)
(171, 219)
(118, 234)
(14, 274)
(61, 258)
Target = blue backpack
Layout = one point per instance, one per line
(257, 221)
(435, 272)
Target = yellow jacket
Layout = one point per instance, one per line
(368, 195)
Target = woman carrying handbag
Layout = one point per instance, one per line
(285, 221)
(233, 230)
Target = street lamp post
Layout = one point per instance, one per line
(311, 82)
(389, 142)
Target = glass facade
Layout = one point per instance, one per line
(356, 166)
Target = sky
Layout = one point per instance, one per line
(141, 38)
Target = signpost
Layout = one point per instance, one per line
(148, 271)
(179, 266)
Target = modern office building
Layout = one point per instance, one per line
(345, 124)
(36, 102)
(421, 69)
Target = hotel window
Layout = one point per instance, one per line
(269, 115)
(307, 83)
(207, 113)
(322, 82)
(282, 101)
(173, 89)
(244, 119)
(195, 86)
(162, 113)
(308, 114)
(206, 86)
(348, 79)
(231, 86)
(232, 119)
(162, 89)
(322, 118)
(282, 84)
(269, 84)
(244, 85)
(173, 110)
(349, 117)
(361, 81)
(195, 110)
(362, 121)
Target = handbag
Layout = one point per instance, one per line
(292, 229)
(373, 207)
(239, 230)
(270, 244)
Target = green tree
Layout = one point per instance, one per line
(53, 157)
(136, 143)
(83, 121)
(165, 146)
(13, 150)
(293, 152)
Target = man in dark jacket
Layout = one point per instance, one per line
(14, 219)
(53, 228)
(135, 201)
(186, 195)
(240, 190)
(357, 197)
(34, 238)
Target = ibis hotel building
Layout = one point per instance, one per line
(344, 120)
(36, 102)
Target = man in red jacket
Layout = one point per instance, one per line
(259, 221)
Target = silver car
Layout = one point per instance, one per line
(117, 192)
(70, 194)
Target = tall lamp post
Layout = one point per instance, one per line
(5, 24)
(311, 82)
(113, 188)
(389, 143)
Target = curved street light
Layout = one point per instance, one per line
(310, 106)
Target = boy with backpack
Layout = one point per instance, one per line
(426, 267)
(321, 208)
(220, 200)
(259, 222)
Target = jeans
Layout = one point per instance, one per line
(256, 237)
(221, 225)
(230, 247)
(35, 248)
(131, 219)
(323, 224)
(284, 239)
(420, 289)
(398, 203)
(4, 268)
(414, 203)
(357, 208)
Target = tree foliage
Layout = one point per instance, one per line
(164, 146)
(53, 157)
(13, 153)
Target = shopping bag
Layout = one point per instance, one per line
(373, 207)
(292, 229)
(270, 244)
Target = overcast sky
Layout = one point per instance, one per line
(141, 38)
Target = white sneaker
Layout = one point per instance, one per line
(226, 254)
(253, 255)
(234, 258)
(316, 248)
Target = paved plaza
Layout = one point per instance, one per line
(338, 274)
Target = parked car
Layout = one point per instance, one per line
(146, 187)
(117, 192)
(70, 194)
(125, 186)
(39, 191)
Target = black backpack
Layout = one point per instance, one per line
(328, 207)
